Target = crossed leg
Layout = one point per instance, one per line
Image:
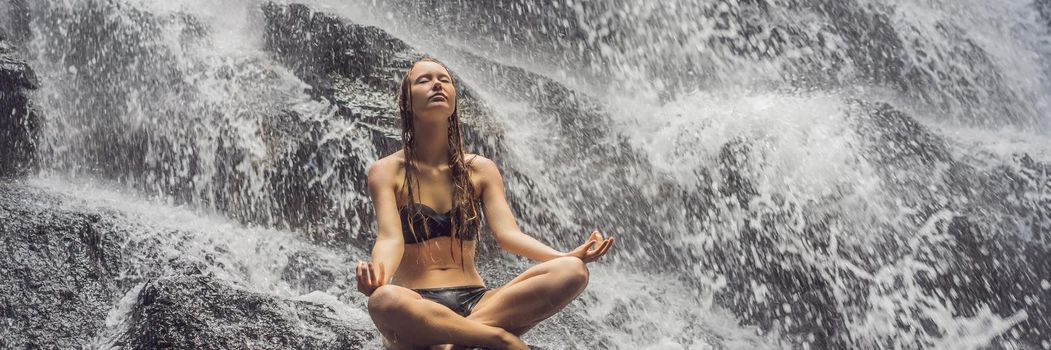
(408, 321)
(536, 294)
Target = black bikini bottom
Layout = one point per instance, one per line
(459, 299)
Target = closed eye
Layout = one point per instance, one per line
(426, 78)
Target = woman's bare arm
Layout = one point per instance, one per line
(502, 222)
(390, 244)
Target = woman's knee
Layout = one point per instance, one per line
(572, 271)
(384, 299)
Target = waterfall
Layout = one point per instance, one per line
(779, 173)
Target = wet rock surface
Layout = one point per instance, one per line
(19, 121)
(67, 271)
(201, 312)
(359, 68)
(978, 238)
(1044, 8)
(66, 268)
(59, 267)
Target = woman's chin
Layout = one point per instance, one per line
(434, 114)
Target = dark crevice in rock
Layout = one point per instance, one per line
(19, 121)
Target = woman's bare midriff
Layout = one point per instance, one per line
(435, 263)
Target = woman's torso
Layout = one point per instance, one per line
(434, 262)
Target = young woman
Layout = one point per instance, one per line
(422, 284)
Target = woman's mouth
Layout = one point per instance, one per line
(438, 97)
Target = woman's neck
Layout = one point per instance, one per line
(432, 146)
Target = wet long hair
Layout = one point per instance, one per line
(465, 218)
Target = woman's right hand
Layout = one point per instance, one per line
(370, 277)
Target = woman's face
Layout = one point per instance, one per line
(432, 92)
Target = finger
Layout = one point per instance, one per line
(594, 235)
(604, 248)
(371, 275)
(594, 253)
(587, 246)
(582, 251)
(358, 274)
(598, 244)
(376, 276)
(611, 241)
(383, 275)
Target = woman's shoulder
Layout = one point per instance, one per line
(479, 163)
(484, 169)
(386, 167)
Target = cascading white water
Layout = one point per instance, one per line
(185, 106)
(733, 145)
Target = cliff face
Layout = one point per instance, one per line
(18, 120)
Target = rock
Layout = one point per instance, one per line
(1044, 8)
(59, 269)
(19, 122)
(16, 21)
(16, 74)
(359, 68)
(898, 140)
(200, 312)
(734, 162)
(988, 262)
(67, 269)
(303, 273)
(1006, 275)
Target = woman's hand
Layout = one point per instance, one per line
(585, 251)
(370, 277)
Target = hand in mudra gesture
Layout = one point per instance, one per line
(370, 277)
(594, 248)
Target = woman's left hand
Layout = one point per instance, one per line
(594, 248)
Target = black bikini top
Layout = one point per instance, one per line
(438, 224)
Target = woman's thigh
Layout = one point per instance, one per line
(534, 295)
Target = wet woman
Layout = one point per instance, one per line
(422, 286)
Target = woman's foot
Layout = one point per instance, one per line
(460, 347)
(510, 342)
